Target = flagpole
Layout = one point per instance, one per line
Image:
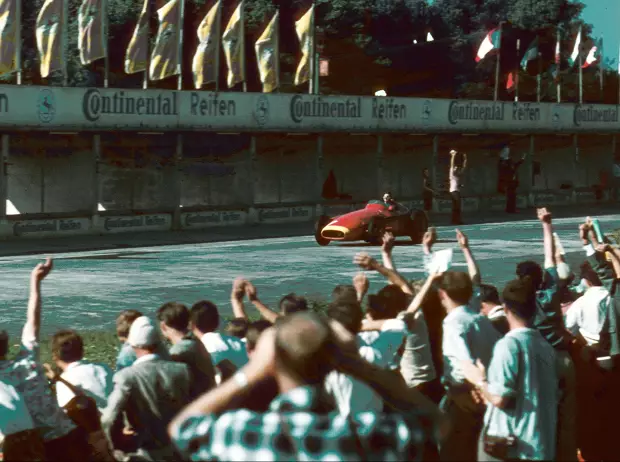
(618, 75)
(580, 75)
(218, 19)
(558, 64)
(497, 64)
(145, 82)
(106, 62)
(18, 45)
(180, 50)
(277, 50)
(312, 64)
(242, 18)
(517, 71)
(602, 68)
(65, 43)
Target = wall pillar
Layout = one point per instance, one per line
(4, 180)
(96, 196)
(252, 159)
(433, 170)
(178, 184)
(319, 168)
(380, 166)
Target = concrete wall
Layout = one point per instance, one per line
(354, 160)
(404, 158)
(50, 173)
(216, 170)
(137, 172)
(595, 157)
(285, 169)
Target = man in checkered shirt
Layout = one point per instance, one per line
(300, 424)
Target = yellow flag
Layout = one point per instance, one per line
(166, 56)
(305, 34)
(137, 51)
(233, 43)
(9, 33)
(267, 55)
(91, 34)
(49, 28)
(205, 64)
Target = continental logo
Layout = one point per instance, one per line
(593, 114)
(95, 104)
(194, 219)
(51, 226)
(134, 222)
(278, 214)
(303, 107)
(463, 111)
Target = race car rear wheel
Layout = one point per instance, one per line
(375, 232)
(419, 226)
(320, 224)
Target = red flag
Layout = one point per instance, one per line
(510, 82)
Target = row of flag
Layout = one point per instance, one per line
(492, 42)
(165, 58)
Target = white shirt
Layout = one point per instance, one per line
(454, 181)
(497, 313)
(222, 347)
(468, 336)
(95, 380)
(587, 314)
(351, 395)
(387, 343)
(14, 415)
(416, 365)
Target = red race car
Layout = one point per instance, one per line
(369, 224)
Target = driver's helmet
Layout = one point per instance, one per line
(387, 198)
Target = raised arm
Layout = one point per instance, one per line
(364, 261)
(472, 266)
(418, 300)
(545, 218)
(452, 161)
(264, 311)
(33, 317)
(236, 298)
(596, 259)
(386, 250)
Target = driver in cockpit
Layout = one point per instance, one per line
(394, 206)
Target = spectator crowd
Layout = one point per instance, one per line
(445, 368)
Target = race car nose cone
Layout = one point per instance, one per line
(335, 232)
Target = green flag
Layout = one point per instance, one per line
(530, 55)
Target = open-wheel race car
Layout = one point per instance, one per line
(370, 223)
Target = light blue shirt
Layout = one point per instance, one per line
(14, 415)
(524, 368)
(467, 336)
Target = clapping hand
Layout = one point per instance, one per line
(462, 239)
(365, 261)
(361, 284)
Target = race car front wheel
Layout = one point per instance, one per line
(320, 224)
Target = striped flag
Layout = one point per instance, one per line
(138, 49)
(267, 55)
(91, 31)
(49, 27)
(491, 42)
(166, 56)
(234, 48)
(574, 57)
(530, 54)
(305, 33)
(10, 33)
(205, 65)
(594, 55)
(511, 82)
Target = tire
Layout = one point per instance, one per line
(419, 226)
(320, 224)
(374, 232)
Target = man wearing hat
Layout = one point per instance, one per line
(149, 393)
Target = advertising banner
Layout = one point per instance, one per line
(200, 220)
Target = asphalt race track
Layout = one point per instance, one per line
(87, 290)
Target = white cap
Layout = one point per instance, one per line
(564, 271)
(143, 332)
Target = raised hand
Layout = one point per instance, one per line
(251, 291)
(388, 241)
(544, 215)
(462, 239)
(430, 237)
(238, 289)
(41, 271)
(365, 261)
